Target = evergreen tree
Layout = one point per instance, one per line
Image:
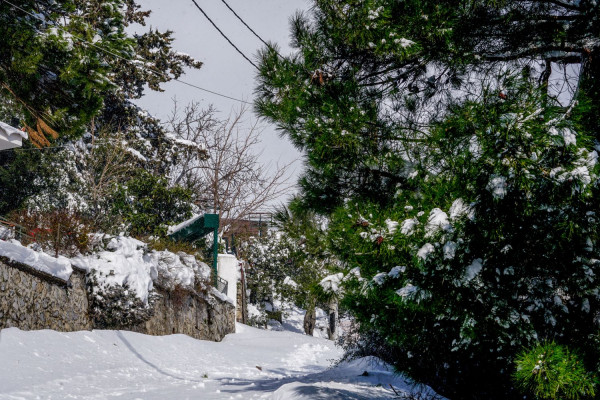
(369, 74)
(461, 180)
(60, 61)
(68, 68)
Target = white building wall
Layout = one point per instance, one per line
(227, 266)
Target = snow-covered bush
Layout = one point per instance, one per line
(122, 275)
(491, 246)
(270, 261)
(115, 306)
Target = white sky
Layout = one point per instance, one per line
(224, 70)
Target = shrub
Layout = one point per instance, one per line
(147, 204)
(115, 306)
(165, 243)
(552, 371)
(60, 232)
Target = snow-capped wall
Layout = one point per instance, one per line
(31, 299)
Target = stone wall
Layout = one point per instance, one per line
(30, 299)
(193, 314)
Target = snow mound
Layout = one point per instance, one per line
(126, 261)
(366, 378)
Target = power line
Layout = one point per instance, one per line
(222, 34)
(135, 62)
(252, 30)
(245, 24)
(258, 36)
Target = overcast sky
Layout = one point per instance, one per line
(224, 70)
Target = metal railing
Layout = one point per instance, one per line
(14, 230)
(222, 285)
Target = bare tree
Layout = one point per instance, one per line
(232, 180)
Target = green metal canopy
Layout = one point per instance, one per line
(197, 229)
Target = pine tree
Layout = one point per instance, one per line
(461, 179)
(368, 74)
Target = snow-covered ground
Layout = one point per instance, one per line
(251, 363)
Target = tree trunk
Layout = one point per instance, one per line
(310, 319)
(333, 317)
(589, 90)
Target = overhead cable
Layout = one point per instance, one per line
(245, 24)
(222, 34)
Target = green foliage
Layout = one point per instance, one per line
(462, 194)
(166, 243)
(367, 76)
(290, 262)
(552, 371)
(115, 306)
(18, 177)
(61, 66)
(271, 260)
(147, 204)
(494, 251)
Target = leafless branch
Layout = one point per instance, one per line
(232, 180)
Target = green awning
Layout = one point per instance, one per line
(196, 228)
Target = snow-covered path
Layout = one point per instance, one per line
(250, 364)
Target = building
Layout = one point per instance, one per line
(10, 137)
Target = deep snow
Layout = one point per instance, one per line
(251, 363)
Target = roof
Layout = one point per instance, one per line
(195, 228)
(10, 137)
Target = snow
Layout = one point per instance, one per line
(407, 291)
(392, 226)
(127, 261)
(458, 209)
(185, 142)
(425, 251)
(250, 364)
(404, 42)
(362, 379)
(10, 130)
(569, 136)
(408, 226)
(449, 250)
(290, 282)
(497, 185)
(59, 267)
(135, 153)
(474, 269)
(122, 263)
(331, 283)
(184, 224)
(379, 279)
(396, 271)
(438, 220)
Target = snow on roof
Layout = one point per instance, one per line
(10, 130)
(175, 228)
(10, 137)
